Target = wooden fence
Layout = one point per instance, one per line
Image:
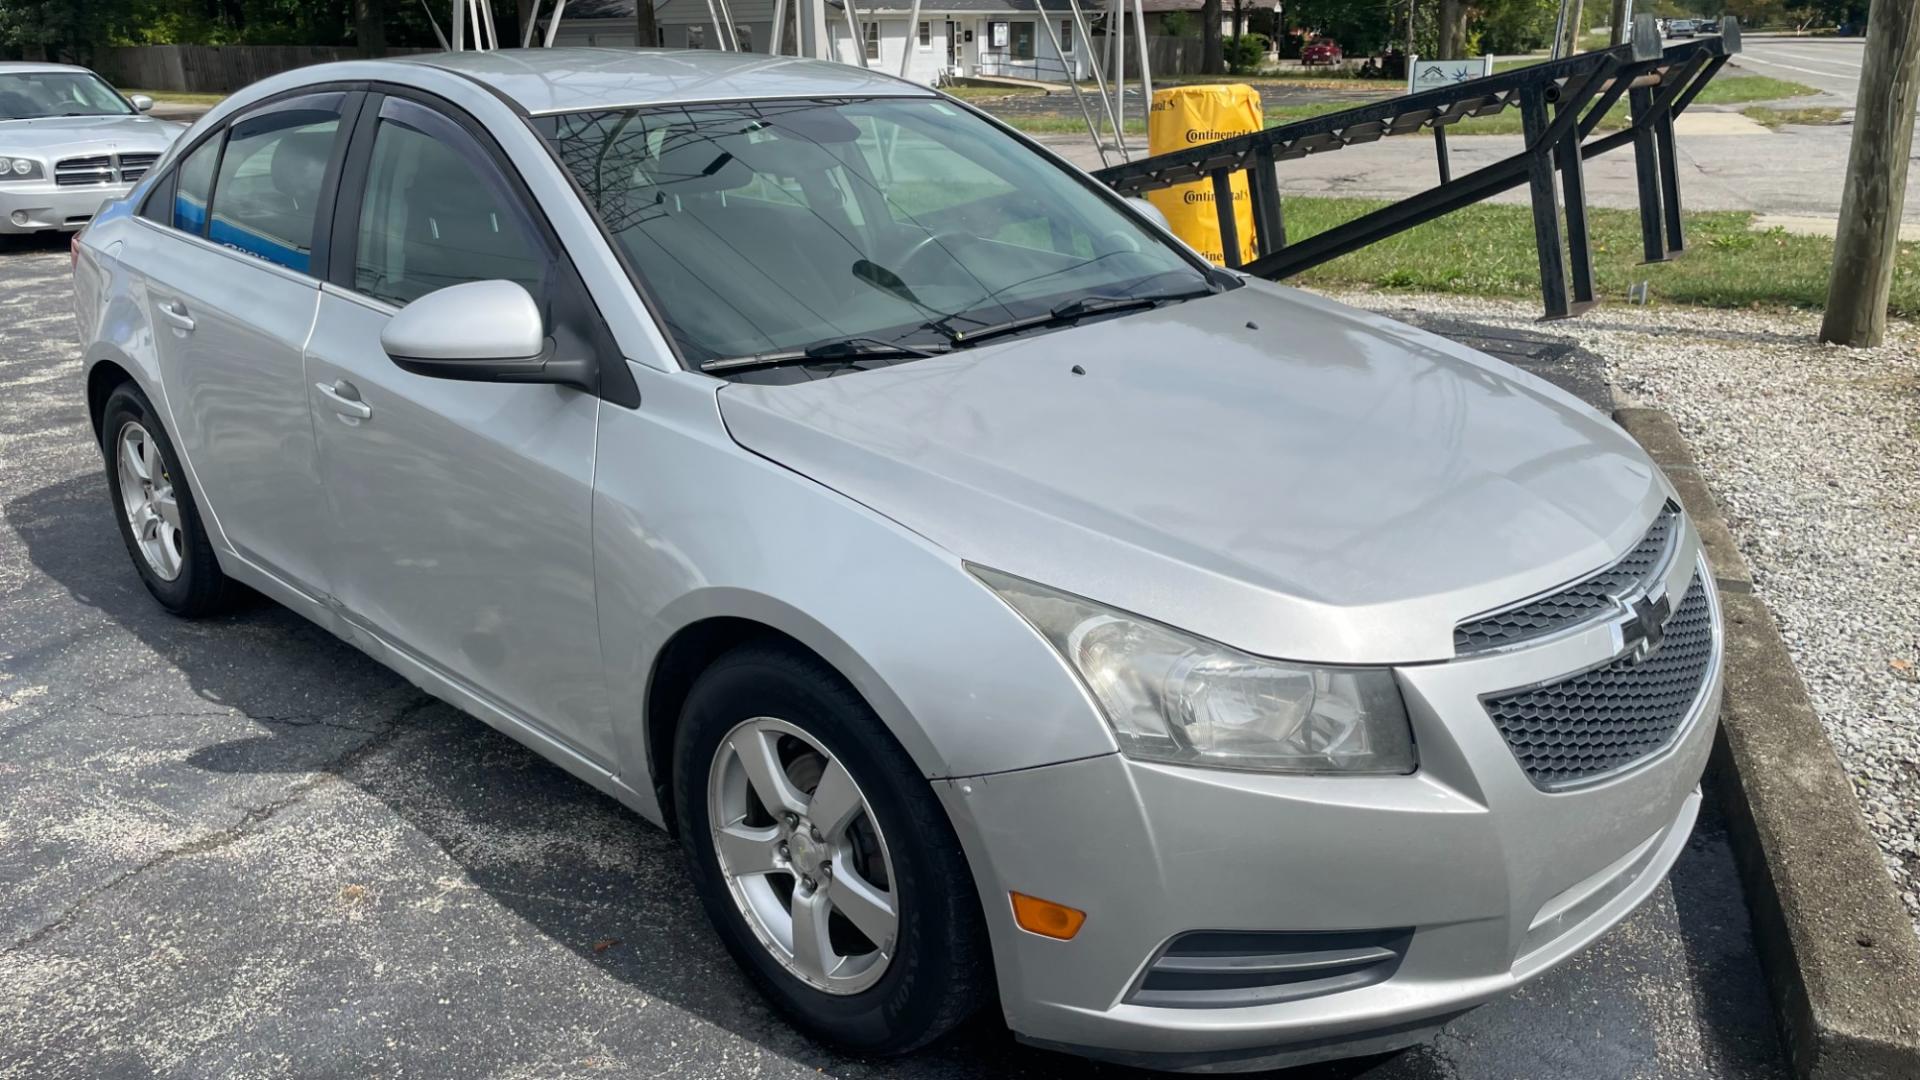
(214, 69)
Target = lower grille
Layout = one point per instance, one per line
(76, 171)
(1214, 969)
(1598, 721)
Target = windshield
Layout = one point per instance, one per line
(775, 225)
(29, 95)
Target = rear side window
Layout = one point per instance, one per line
(436, 212)
(195, 180)
(267, 194)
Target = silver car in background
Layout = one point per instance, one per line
(69, 143)
(998, 601)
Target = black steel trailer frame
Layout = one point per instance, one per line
(1561, 102)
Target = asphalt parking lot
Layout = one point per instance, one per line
(239, 848)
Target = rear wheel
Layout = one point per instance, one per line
(159, 522)
(822, 856)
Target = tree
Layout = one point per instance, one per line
(1212, 59)
(1876, 188)
(370, 27)
(1453, 29)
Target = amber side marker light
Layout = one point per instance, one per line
(1046, 918)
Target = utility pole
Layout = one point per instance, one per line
(1621, 21)
(1876, 190)
(1570, 44)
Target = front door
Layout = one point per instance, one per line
(461, 510)
(232, 298)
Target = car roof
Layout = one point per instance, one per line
(568, 80)
(16, 67)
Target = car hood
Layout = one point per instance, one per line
(1262, 467)
(65, 135)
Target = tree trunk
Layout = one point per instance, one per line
(370, 27)
(1875, 194)
(1239, 19)
(1212, 59)
(1621, 21)
(1570, 42)
(1453, 29)
(645, 27)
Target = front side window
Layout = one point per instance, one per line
(194, 183)
(267, 194)
(782, 224)
(31, 95)
(436, 212)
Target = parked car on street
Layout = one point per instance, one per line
(999, 602)
(1683, 28)
(1321, 51)
(68, 143)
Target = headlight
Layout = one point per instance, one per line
(1171, 696)
(17, 168)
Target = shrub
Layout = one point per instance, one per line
(1245, 54)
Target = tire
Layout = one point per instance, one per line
(195, 586)
(937, 973)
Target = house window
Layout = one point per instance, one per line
(873, 41)
(926, 34)
(1022, 33)
(696, 37)
(1066, 35)
(743, 35)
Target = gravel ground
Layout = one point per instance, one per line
(1814, 453)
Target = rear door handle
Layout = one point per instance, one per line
(345, 399)
(175, 312)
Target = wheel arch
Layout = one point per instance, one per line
(715, 622)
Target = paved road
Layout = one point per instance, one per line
(238, 847)
(1829, 64)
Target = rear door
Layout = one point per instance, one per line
(461, 511)
(232, 298)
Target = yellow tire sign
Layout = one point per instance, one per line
(1185, 116)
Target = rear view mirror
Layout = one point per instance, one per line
(141, 102)
(482, 331)
(1150, 212)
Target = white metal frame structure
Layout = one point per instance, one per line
(474, 28)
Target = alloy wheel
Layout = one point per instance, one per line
(147, 497)
(803, 856)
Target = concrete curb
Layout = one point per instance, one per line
(1841, 957)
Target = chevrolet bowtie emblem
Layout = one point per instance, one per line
(1645, 626)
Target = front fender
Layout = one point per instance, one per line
(689, 526)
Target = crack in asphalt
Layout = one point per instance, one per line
(250, 820)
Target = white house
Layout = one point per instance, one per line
(1014, 38)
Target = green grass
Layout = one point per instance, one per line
(979, 94)
(1773, 118)
(177, 97)
(1488, 250)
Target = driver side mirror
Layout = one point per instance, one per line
(142, 102)
(481, 331)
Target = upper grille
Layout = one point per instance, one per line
(1606, 718)
(135, 166)
(1583, 600)
(84, 170)
(102, 169)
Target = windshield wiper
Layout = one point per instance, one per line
(855, 348)
(1071, 311)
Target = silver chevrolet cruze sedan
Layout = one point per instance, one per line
(999, 602)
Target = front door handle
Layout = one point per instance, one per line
(175, 312)
(345, 399)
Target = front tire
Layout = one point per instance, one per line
(159, 521)
(823, 857)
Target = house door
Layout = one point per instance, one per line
(953, 46)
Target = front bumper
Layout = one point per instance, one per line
(1497, 880)
(42, 205)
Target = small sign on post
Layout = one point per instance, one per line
(1425, 74)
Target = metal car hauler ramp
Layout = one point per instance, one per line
(1561, 102)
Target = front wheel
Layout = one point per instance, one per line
(822, 856)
